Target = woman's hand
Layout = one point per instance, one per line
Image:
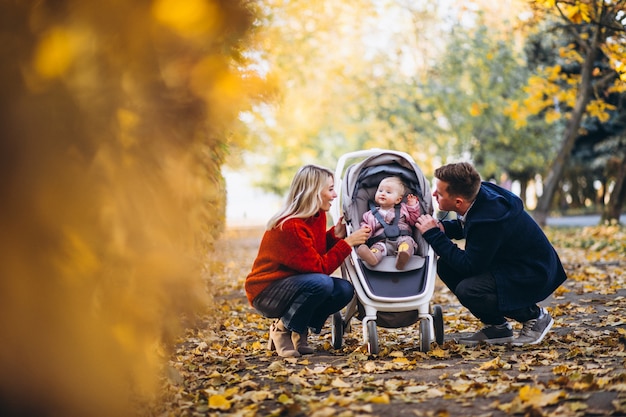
(340, 228)
(359, 237)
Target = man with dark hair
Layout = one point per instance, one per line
(507, 266)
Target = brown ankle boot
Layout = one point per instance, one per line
(369, 256)
(300, 343)
(280, 340)
(403, 255)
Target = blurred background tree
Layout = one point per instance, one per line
(592, 171)
(470, 89)
(582, 87)
(341, 72)
(114, 125)
(495, 83)
(388, 74)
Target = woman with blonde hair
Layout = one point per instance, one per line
(290, 278)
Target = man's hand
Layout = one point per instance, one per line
(426, 222)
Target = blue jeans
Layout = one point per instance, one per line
(479, 294)
(304, 301)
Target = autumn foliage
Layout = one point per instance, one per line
(116, 117)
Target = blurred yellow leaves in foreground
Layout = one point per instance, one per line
(188, 17)
(111, 144)
(56, 51)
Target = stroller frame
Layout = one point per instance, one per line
(383, 288)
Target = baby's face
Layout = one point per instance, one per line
(388, 194)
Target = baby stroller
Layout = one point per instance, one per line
(384, 295)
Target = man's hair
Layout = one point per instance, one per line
(462, 178)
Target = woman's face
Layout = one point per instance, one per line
(328, 194)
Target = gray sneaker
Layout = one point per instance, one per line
(533, 331)
(492, 334)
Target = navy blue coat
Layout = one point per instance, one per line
(501, 238)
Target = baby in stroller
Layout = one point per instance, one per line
(391, 222)
(385, 296)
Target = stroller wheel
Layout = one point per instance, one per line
(337, 330)
(424, 336)
(372, 338)
(438, 323)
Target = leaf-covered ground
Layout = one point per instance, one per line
(222, 366)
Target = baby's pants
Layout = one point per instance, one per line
(390, 247)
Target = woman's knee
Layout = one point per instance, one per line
(321, 285)
(343, 290)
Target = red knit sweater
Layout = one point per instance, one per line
(301, 246)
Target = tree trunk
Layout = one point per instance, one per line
(555, 172)
(523, 187)
(613, 209)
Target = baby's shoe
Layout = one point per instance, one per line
(403, 255)
(370, 256)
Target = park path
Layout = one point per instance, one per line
(578, 370)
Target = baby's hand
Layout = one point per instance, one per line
(411, 200)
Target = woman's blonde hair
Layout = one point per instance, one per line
(304, 198)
